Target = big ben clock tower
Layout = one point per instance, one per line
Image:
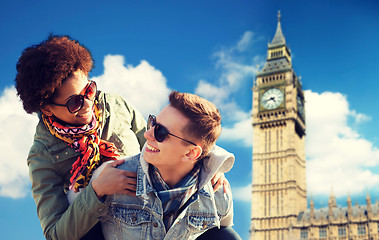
(279, 187)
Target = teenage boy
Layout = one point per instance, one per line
(174, 196)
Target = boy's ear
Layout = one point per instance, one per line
(47, 110)
(194, 153)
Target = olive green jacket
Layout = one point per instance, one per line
(50, 161)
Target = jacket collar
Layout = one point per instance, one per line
(144, 184)
(218, 160)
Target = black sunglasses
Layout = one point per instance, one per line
(76, 102)
(160, 131)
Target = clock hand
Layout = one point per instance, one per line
(271, 98)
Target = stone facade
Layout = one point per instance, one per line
(336, 223)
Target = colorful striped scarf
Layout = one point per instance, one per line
(84, 139)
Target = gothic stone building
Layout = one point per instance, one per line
(279, 197)
(333, 222)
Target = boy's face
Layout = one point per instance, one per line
(171, 150)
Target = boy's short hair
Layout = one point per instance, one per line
(42, 68)
(205, 118)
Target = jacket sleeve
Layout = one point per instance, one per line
(59, 220)
(227, 219)
(137, 122)
(138, 125)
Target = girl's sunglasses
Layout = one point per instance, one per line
(76, 102)
(160, 131)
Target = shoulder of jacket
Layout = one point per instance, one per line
(110, 97)
(114, 102)
(130, 163)
(43, 139)
(47, 146)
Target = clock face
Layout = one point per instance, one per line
(300, 105)
(272, 98)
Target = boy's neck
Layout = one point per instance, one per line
(173, 174)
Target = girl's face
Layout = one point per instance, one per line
(74, 85)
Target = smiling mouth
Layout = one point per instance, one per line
(151, 148)
(84, 115)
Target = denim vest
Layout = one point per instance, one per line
(141, 216)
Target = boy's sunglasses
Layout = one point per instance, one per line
(160, 131)
(76, 102)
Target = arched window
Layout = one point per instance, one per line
(361, 229)
(304, 233)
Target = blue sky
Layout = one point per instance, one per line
(143, 49)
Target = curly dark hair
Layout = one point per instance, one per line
(43, 67)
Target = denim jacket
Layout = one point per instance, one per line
(141, 216)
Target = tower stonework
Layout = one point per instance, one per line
(278, 118)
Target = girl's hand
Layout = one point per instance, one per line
(115, 181)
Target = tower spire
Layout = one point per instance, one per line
(278, 54)
(278, 39)
(369, 206)
(312, 210)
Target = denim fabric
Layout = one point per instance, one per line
(141, 216)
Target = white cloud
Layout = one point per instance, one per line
(242, 193)
(235, 75)
(359, 117)
(241, 131)
(234, 72)
(245, 41)
(17, 129)
(338, 157)
(210, 91)
(143, 85)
